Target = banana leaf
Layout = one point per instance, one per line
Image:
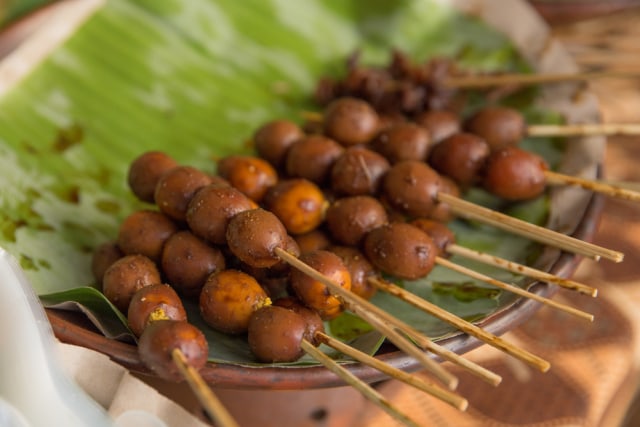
(195, 79)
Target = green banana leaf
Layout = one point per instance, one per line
(195, 78)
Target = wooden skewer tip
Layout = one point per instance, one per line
(484, 80)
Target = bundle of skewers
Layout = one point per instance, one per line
(325, 215)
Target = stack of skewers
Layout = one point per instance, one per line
(327, 214)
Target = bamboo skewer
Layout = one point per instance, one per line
(555, 178)
(467, 82)
(405, 345)
(427, 344)
(462, 324)
(627, 185)
(445, 395)
(472, 211)
(517, 268)
(513, 289)
(386, 323)
(366, 390)
(206, 397)
(367, 312)
(584, 129)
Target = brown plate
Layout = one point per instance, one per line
(74, 328)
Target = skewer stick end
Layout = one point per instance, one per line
(453, 383)
(496, 381)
